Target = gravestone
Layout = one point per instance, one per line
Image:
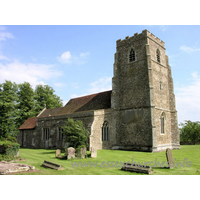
(58, 152)
(51, 165)
(83, 152)
(170, 159)
(70, 153)
(137, 168)
(93, 152)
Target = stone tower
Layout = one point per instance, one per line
(143, 100)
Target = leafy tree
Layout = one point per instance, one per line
(44, 95)
(20, 102)
(7, 109)
(25, 100)
(190, 131)
(76, 134)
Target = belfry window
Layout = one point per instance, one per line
(132, 56)
(162, 123)
(105, 131)
(158, 55)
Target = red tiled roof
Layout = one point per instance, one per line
(91, 102)
(29, 124)
(50, 112)
(87, 103)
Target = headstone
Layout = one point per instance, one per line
(170, 159)
(93, 152)
(58, 152)
(51, 165)
(70, 153)
(83, 152)
(138, 169)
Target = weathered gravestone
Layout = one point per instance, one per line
(58, 152)
(93, 152)
(137, 168)
(70, 153)
(83, 152)
(51, 165)
(170, 159)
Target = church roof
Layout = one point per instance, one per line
(50, 112)
(29, 124)
(96, 101)
(87, 103)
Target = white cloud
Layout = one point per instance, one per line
(163, 28)
(33, 73)
(2, 57)
(101, 85)
(66, 57)
(84, 55)
(59, 84)
(4, 35)
(188, 49)
(188, 100)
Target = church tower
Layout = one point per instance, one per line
(142, 99)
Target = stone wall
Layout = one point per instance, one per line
(142, 91)
(100, 116)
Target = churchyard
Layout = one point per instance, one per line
(109, 162)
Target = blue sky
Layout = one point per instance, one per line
(78, 60)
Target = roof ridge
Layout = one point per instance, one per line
(91, 94)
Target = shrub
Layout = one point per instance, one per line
(76, 134)
(10, 149)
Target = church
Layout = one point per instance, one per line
(138, 114)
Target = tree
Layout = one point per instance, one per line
(44, 95)
(76, 134)
(190, 131)
(25, 103)
(7, 109)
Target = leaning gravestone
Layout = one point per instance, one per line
(58, 152)
(83, 152)
(93, 152)
(70, 153)
(170, 159)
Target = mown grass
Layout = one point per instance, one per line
(36, 157)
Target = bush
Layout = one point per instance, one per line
(10, 149)
(75, 132)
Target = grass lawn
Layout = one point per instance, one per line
(36, 157)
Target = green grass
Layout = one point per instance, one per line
(36, 157)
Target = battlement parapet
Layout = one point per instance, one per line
(145, 33)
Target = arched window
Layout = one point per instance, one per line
(158, 55)
(60, 133)
(105, 131)
(132, 56)
(45, 133)
(162, 123)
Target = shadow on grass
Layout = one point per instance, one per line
(49, 152)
